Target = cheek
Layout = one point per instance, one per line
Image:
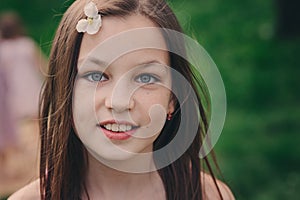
(83, 107)
(150, 114)
(157, 101)
(161, 97)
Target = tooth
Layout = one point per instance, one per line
(122, 127)
(128, 127)
(107, 126)
(115, 127)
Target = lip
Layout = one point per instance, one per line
(116, 122)
(117, 135)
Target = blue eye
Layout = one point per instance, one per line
(146, 79)
(95, 77)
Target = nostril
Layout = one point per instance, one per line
(119, 104)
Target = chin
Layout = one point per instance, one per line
(111, 155)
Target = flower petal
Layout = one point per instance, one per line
(94, 27)
(82, 25)
(90, 9)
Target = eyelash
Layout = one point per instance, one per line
(90, 77)
(154, 79)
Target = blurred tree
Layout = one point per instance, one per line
(288, 21)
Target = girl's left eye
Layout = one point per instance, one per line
(95, 77)
(146, 79)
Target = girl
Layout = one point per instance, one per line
(112, 107)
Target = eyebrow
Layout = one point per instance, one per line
(163, 67)
(104, 63)
(148, 63)
(93, 60)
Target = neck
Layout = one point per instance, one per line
(108, 183)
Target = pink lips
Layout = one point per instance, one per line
(116, 135)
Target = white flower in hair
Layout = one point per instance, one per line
(93, 21)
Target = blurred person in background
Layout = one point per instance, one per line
(7, 133)
(22, 62)
(22, 66)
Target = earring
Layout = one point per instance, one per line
(169, 116)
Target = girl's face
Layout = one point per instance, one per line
(120, 105)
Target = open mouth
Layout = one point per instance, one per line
(118, 131)
(118, 127)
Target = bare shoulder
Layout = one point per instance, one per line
(210, 190)
(29, 192)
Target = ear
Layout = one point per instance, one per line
(171, 106)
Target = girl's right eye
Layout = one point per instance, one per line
(95, 77)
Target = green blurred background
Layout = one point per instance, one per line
(258, 151)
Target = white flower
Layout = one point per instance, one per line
(93, 21)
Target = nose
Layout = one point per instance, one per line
(120, 98)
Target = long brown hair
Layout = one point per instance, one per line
(63, 162)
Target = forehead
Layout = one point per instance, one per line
(116, 26)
